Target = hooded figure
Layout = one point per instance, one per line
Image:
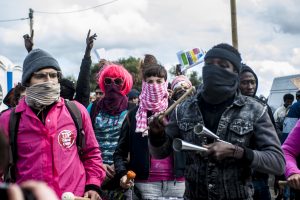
(248, 87)
(248, 81)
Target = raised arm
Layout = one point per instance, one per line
(83, 82)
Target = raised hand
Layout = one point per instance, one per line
(157, 125)
(89, 43)
(28, 41)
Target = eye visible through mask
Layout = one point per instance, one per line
(116, 81)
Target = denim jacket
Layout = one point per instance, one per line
(245, 123)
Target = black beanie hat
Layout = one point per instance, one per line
(227, 52)
(36, 60)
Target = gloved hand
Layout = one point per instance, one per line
(157, 124)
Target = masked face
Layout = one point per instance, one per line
(113, 101)
(154, 80)
(219, 84)
(40, 95)
(225, 64)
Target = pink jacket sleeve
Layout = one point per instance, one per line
(4, 124)
(291, 150)
(92, 161)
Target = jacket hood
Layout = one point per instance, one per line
(246, 68)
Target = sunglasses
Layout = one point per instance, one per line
(116, 81)
(44, 75)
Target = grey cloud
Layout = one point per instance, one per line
(284, 15)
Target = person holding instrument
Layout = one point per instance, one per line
(154, 178)
(251, 143)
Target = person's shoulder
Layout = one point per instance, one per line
(255, 100)
(5, 113)
(295, 105)
(82, 109)
(255, 104)
(187, 102)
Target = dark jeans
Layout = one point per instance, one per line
(261, 190)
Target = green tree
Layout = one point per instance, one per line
(195, 78)
(131, 64)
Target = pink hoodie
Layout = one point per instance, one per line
(49, 153)
(291, 150)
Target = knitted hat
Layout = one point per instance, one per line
(36, 60)
(227, 52)
(180, 81)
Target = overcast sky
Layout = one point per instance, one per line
(268, 31)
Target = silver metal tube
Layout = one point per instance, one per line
(179, 145)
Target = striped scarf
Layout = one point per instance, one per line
(154, 97)
(40, 95)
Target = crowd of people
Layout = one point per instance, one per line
(55, 140)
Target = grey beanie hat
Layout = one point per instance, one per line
(36, 60)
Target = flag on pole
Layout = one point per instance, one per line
(191, 58)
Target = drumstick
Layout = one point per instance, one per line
(71, 196)
(169, 110)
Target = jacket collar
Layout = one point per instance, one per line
(22, 106)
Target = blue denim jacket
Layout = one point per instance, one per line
(245, 123)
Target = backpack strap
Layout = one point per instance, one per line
(93, 112)
(14, 119)
(76, 116)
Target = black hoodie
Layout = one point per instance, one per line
(246, 68)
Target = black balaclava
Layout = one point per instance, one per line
(219, 84)
(246, 68)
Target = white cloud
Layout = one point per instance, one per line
(295, 59)
(267, 70)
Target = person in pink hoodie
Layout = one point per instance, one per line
(291, 150)
(46, 135)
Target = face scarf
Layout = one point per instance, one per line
(154, 97)
(40, 95)
(113, 102)
(218, 84)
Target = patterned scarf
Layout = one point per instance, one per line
(154, 97)
(40, 95)
(114, 102)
